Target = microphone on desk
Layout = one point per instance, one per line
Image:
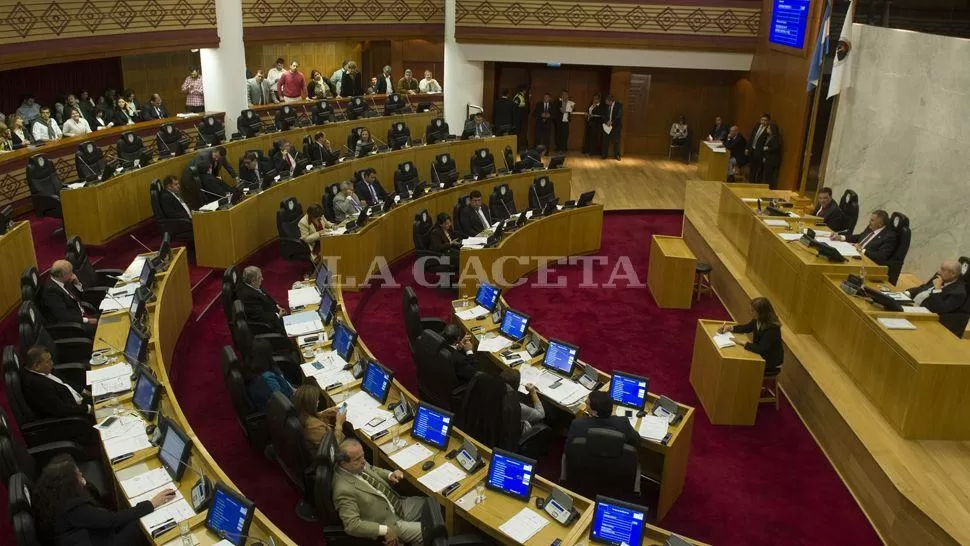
(216, 195)
(536, 193)
(112, 347)
(381, 142)
(143, 245)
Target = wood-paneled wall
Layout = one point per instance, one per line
(418, 55)
(161, 73)
(700, 95)
(323, 56)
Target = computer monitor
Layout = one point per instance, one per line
(617, 523)
(174, 449)
(229, 515)
(561, 357)
(164, 251)
(135, 346)
(137, 308)
(514, 324)
(432, 425)
(885, 300)
(487, 296)
(585, 198)
(629, 390)
(377, 381)
(511, 474)
(146, 396)
(327, 307)
(343, 340)
(147, 276)
(323, 277)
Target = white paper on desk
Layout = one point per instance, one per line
(917, 310)
(75, 185)
(567, 393)
(303, 296)
(338, 230)
(494, 343)
(539, 377)
(473, 247)
(897, 324)
(148, 495)
(326, 379)
(124, 445)
(476, 312)
(123, 290)
(145, 482)
(108, 372)
(318, 366)
(899, 296)
(474, 241)
(209, 207)
(134, 269)
(178, 511)
(749, 199)
(775, 223)
(793, 214)
(653, 428)
(411, 455)
(177, 541)
(382, 420)
(725, 340)
(524, 525)
(124, 425)
(114, 385)
(790, 236)
(528, 214)
(442, 477)
(819, 234)
(607, 128)
(523, 356)
(844, 248)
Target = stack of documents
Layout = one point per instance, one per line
(524, 525)
(301, 324)
(109, 380)
(897, 324)
(653, 428)
(209, 207)
(556, 387)
(724, 340)
(327, 372)
(917, 310)
(143, 483)
(122, 426)
(442, 477)
(474, 242)
(118, 298)
(173, 511)
(302, 297)
(127, 444)
(494, 343)
(134, 269)
(474, 313)
(366, 415)
(844, 248)
(790, 236)
(411, 455)
(775, 223)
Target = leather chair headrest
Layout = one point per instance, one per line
(605, 443)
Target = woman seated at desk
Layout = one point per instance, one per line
(766, 332)
(531, 415)
(443, 240)
(365, 144)
(264, 378)
(316, 424)
(312, 227)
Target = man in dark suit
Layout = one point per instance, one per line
(719, 131)
(756, 146)
(462, 353)
(60, 300)
(478, 128)
(612, 118)
(258, 90)
(370, 188)
(828, 210)
(474, 218)
(503, 114)
(385, 83)
(321, 152)
(736, 145)
(563, 112)
(545, 117)
(209, 166)
(171, 201)
(259, 305)
(877, 241)
(46, 394)
(599, 406)
(154, 109)
(256, 172)
(945, 292)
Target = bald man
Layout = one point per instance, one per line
(945, 292)
(735, 144)
(60, 300)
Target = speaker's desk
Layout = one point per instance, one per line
(670, 273)
(727, 381)
(663, 462)
(712, 161)
(166, 317)
(16, 255)
(541, 241)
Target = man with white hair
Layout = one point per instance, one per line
(945, 292)
(60, 300)
(259, 305)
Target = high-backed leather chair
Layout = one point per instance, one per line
(322, 112)
(45, 187)
(211, 132)
(288, 217)
(463, 201)
(602, 463)
(956, 322)
(352, 138)
(89, 161)
(358, 108)
(849, 203)
(96, 282)
(393, 104)
(509, 158)
(398, 136)
(65, 348)
(406, 178)
(542, 191)
(444, 170)
(328, 195)
(251, 421)
(482, 163)
(491, 414)
(178, 229)
(434, 263)
(437, 382)
(227, 295)
(501, 203)
(414, 323)
(248, 123)
(322, 495)
(132, 152)
(290, 450)
(24, 530)
(171, 141)
(436, 131)
(899, 223)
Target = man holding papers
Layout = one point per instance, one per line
(368, 505)
(877, 241)
(46, 393)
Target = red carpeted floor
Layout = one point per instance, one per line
(767, 484)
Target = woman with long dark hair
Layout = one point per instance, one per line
(67, 514)
(263, 376)
(766, 332)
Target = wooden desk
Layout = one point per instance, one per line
(789, 274)
(712, 162)
(16, 255)
(167, 317)
(727, 381)
(569, 232)
(670, 275)
(665, 463)
(61, 152)
(267, 112)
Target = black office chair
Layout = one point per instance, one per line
(290, 450)
(288, 217)
(45, 187)
(542, 191)
(227, 295)
(19, 493)
(482, 163)
(509, 159)
(899, 223)
(322, 495)
(414, 323)
(358, 108)
(850, 209)
(30, 285)
(444, 171)
(178, 229)
(406, 179)
(398, 136)
(132, 152)
(394, 105)
(434, 532)
(437, 382)
(286, 118)
(285, 356)
(322, 112)
(211, 132)
(249, 123)
(89, 162)
(436, 264)
(66, 341)
(327, 201)
(251, 421)
(491, 414)
(602, 463)
(96, 282)
(463, 201)
(352, 139)
(171, 141)
(436, 131)
(501, 203)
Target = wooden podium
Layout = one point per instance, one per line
(16, 255)
(670, 275)
(727, 381)
(712, 162)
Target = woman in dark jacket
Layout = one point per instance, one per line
(771, 157)
(767, 334)
(67, 515)
(350, 83)
(263, 376)
(443, 239)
